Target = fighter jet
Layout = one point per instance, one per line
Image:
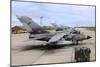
(64, 28)
(58, 37)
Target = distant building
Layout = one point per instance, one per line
(17, 29)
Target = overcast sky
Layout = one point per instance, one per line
(68, 15)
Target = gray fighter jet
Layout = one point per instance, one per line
(55, 38)
(65, 28)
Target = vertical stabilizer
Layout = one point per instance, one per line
(29, 24)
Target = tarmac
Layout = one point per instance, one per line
(31, 52)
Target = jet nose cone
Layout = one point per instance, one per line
(88, 37)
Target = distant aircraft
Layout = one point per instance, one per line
(62, 27)
(58, 37)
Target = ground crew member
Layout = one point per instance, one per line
(82, 54)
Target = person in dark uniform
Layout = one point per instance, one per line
(82, 54)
